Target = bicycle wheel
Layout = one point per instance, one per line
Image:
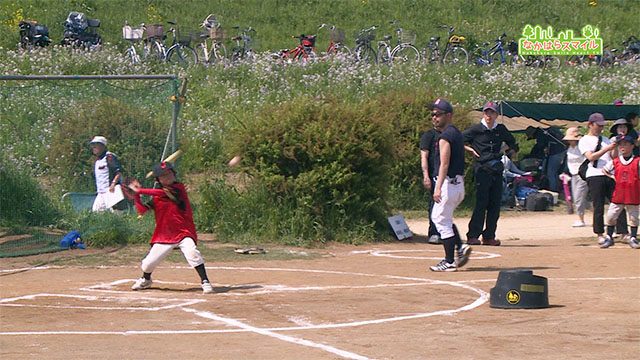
(132, 55)
(307, 57)
(406, 54)
(498, 58)
(203, 56)
(219, 53)
(183, 55)
(552, 62)
(364, 53)
(153, 51)
(341, 52)
(432, 56)
(456, 56)
(593, 60)
(608, 58)
(384, 54)
(573, 60)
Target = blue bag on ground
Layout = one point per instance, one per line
(72, 240)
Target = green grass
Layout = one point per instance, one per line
(276, 20)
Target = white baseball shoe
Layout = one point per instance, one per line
(141, 284)
(463, 255)
(206, 287)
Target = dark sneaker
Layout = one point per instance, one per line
(608, 242)
(473, 241)
(443, 266)
(463, 255)
(633, 242)
(491, 242)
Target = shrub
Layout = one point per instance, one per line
(320, 170)
(107, 229)
(22, 200)
(133, 134)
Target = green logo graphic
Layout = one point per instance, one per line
(539, 41)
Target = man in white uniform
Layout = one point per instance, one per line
(448, 191)
(106, 170)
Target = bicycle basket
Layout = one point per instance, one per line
(408, 37)
(129, 33)
(216, 33)
(365, 36)
(456, 39)
(308, 40)
(337, 36)
(155, 31)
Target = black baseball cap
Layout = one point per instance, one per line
(441, 104)
(161, 168)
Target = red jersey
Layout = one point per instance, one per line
(174, 217)
(627, 190)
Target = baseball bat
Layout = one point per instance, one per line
(171, 158)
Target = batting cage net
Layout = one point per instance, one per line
(46, 163)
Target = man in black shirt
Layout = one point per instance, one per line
(428, 144)
(448, 191)
(485, 140)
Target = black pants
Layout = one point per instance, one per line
(601, 189)
(488, 188)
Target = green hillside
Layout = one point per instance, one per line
(276, 20)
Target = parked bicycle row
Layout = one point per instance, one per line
(209, 45)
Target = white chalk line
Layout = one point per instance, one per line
(270, 333)
(264, 289)
(9, 302)
(390, 254)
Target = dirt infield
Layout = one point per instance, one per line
(368, 302)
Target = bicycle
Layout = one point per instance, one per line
(403, 52)
(80, 32)
(541, 61)
(216, 52)
(453, 52)
(496, 54)
(33, 34)
(180, 52)
(363, 51)
(587, 60)
(133, 35)
(336, 45)
(630, 53)
(304, 52)
(243, 50)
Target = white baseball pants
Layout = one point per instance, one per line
(442, 213)
(160, 251)
(615, 210)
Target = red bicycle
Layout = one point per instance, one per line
(336, 43)
(304, 52)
